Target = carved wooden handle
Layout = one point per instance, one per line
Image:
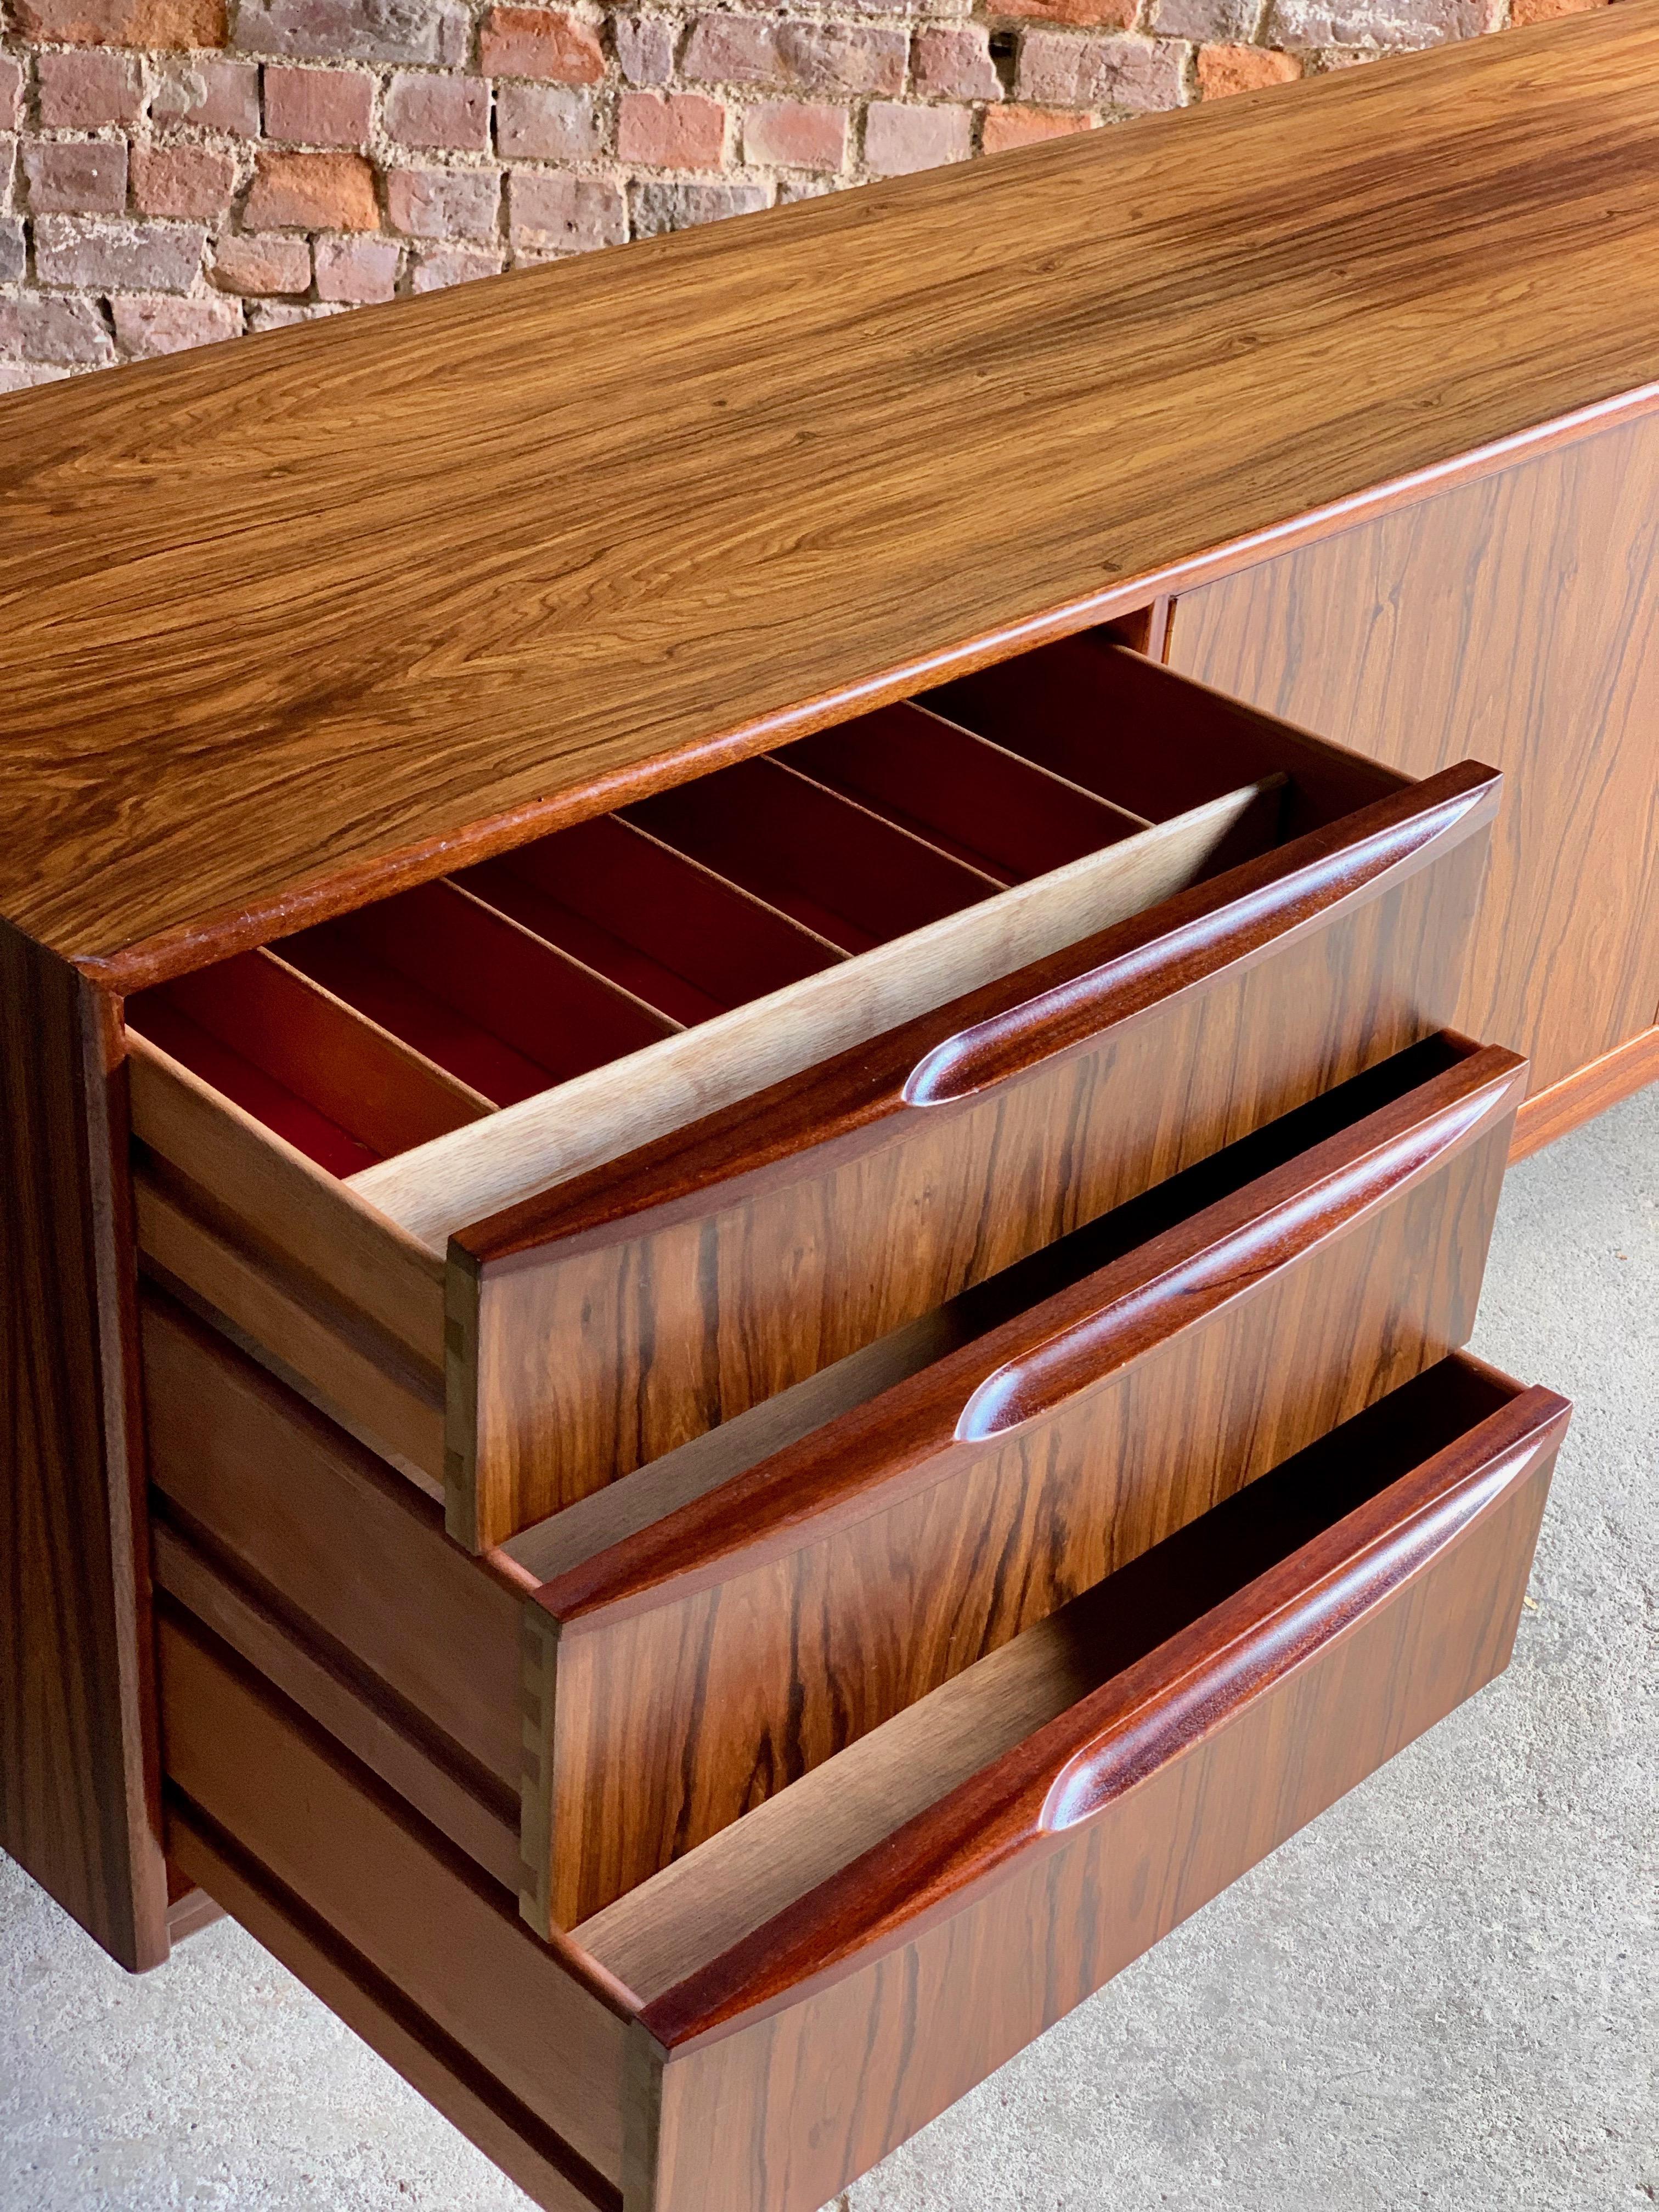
(1319, 1199)
(1069, 1771)
(1445, 809)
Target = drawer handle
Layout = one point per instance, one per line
(1317, 1204)
(1236, 935)
(1144, 1720)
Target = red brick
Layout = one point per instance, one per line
(215, 95)
(438, 267)
(671, 131)
(760, 50)
(157, 25)
(11, 89)
(795, 134)
(183, 180)
(443, 203)
(1006, 127)
(319, 107)
(540, 42)
(563, 213)
(1546, 11)
(108, 257)
(312, 191)
(1087, 14)
(644, 47)
(898, 140)
(548, 123)
(82, 91)
(448, 112)
(76, 176)
(410, 31)
(145, 326)
(1224, 69)
(357, 270)
(954, 63)
(40, 328)
(1058, 70)
(655, 208)
(256, 266)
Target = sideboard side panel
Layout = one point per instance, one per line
(1515, 621)
(79, 1796)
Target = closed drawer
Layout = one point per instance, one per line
(531, 1177)
(633, 1675)
(760, 2022)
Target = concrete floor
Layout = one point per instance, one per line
(1445, 1995)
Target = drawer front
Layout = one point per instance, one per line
(525, 1189)
(247, 1772)
(793, 2064)
(700, 1665)
(579, 1710)
(635, 1307)
(758, 2024)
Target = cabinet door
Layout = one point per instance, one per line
(1514, 620)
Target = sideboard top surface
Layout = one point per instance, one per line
(284, 621)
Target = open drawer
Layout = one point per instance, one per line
(531, 1177)
(635, 1675)
(759, 2023)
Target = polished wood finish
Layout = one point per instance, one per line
(308, 1557)
(529, 2152)
(634, 1307)
(713, 2042)
(700, 1666)
(1516, 619)
(545, 2021)
(78, 1808)
(1260, 328)
(973, 1927)
(1618, 1074)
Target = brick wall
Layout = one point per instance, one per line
(174, 172)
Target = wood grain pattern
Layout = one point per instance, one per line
(349, 1557)
(1516, 619)
(545, 2023)
(373, 1726)
(319, 1224)
(983, 1920)
(1550, 1114)
(559, 602)
(633, 1308)
(445, 2074)
(78, 1778)
(390, 1401)
(702, 1665)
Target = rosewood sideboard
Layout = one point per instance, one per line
(760, 1005)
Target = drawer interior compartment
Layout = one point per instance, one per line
(781, 1061)
(905, 1916)
(640, 1670)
